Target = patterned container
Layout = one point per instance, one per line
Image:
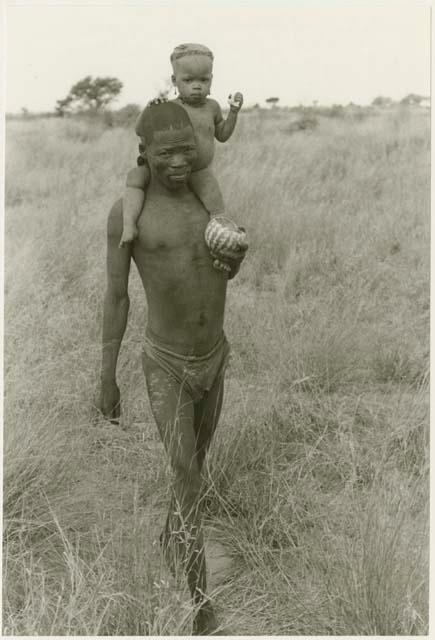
(222, 234)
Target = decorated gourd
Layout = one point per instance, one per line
(222, 234)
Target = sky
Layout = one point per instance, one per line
(298, 51)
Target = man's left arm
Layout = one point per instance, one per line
(225, 128)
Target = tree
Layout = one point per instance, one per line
(412, 98)
(272, 101)
(382, 101)
(63, 105)
(90, 94)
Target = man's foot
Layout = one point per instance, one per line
(204, 622)
(128, 235)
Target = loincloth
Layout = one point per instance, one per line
(195, 374)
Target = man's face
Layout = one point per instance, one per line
(192, 77)
(171, 154)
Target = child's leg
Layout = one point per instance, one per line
(206, 187)
(132, 202)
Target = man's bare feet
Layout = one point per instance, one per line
(204, 622)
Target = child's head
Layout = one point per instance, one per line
(192, 66)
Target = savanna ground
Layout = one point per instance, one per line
(317, 482)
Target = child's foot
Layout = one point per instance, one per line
(129, 234)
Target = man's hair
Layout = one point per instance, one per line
(161, 117)
(190, 49)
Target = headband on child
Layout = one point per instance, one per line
(190, 49)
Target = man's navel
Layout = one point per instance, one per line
(202, 319)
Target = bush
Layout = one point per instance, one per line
(127, 116)
(336, 111)
(306, 121)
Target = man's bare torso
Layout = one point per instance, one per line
(185, 294)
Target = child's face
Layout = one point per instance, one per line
(192, 76)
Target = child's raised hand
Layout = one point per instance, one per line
(235, 101)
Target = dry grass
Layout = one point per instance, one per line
(318, 480)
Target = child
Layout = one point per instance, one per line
(192, 66)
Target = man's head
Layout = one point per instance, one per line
(192, 66)
(170, 143)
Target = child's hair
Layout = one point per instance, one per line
(172, 115)
(190, 49)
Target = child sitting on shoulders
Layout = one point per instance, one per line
(192, 66)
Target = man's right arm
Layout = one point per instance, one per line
(115, 312)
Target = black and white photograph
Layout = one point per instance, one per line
(216, 297)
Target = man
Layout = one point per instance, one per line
(185, 351)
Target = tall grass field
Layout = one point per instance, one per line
(317, 481)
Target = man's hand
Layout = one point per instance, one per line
(230, 265)
(218, 264)
(230, 260)
(235, 101)
(109, 402)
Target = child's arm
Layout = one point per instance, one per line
(225, 128)
(132, 201)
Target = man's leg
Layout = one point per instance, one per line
(207, 413)
(173, 411)
(206, 418)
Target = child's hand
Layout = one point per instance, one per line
(235, 101)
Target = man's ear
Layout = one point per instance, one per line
(173, 79)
